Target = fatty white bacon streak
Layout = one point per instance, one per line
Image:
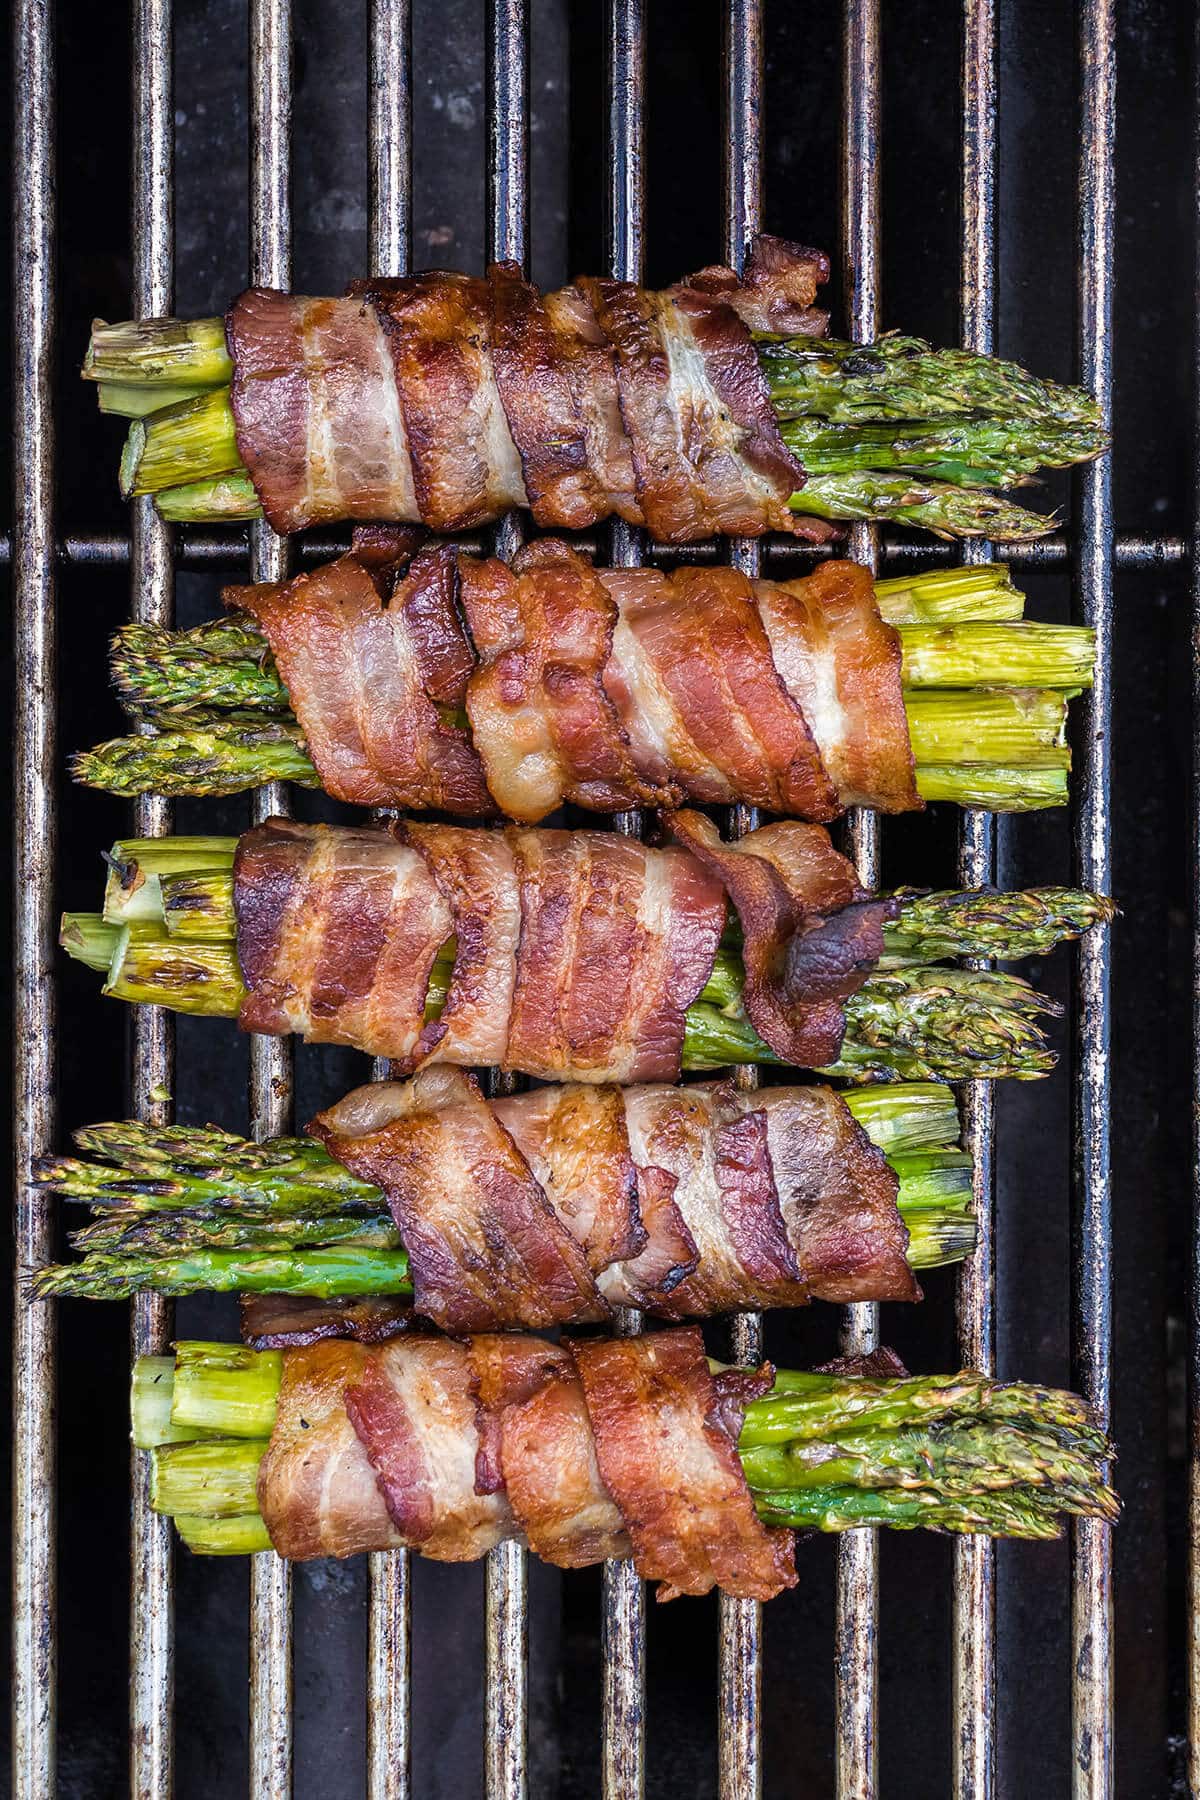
(554, 1206)
(605, 688)
(566, 953)
(445, 399)
(584, 1450)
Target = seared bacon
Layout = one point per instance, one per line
(445, 399)
(551, 1207)
(811, 934)
(586, 1450)
(609, 688)
(575, 953)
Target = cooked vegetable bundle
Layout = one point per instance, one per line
(448, 681)
(576, 955)
(598, 1447)
(536, 1209)
(445, 400)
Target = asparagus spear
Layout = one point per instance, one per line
(970, 451)
(950, 1453)
(938, 506)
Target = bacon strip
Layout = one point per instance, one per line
(616, 943)
(445, 399)
(357, 646)
(811, 938)
(552, 1206)
(667, 1456)
(544, 725)
(337, 933)
(608, 688)
(586, 1450)
(435, 1142)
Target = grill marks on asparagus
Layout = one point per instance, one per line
(867, 1444)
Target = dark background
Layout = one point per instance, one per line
(1038, 148)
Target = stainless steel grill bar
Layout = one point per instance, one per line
(270, 1058)
(1091, 1609)
(739, 1629)
(974, 1662)
(1192, 1641)
(35, 829)
(856, 1651)
(506, 1578)
(623, 1603)
(229, 549)
(152, 597)
(389, 1607)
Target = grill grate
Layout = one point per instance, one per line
(35, 553)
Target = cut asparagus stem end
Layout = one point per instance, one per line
(986, 655)
(981, 591)
(1009, 727)
(151, 1389)
(199, 907)
(216, 500)
(127, 401)
(226, 1389)
(151, 969)
(194, 441)
(213, 1478)
(243, 1535)
(133, 890)
(159, 353)
(996, 789)
(87, 938)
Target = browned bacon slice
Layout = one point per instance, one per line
(776, 289)
(841, 664)
(317, 1491)
(414, 1408)
(616, 943)
(719, 1154)
(705, 655)
(666, 1447)
(811, 937)
(338, 930)
(575, 1140)
(484, 1243)
(545, 417)
(358, 646)
(586, 357)
(438, 326)
(539, 1445)
(314, 404)
(477, 877)
(274, 1321)
(543, 723)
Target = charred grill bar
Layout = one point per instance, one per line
(34, 553)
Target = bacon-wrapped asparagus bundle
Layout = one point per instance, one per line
(445, 681)
(446, 399)
(593, 1448)
(581, 955)
(543, 1208)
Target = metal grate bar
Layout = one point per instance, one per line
(270, 1058)
(856, 1655)
(739, 1628)
(1091, 1608)
(506, 1578)
(623, 1604)
(974, 1601)
(389, 1607)
(1192, 1653)
(35, 829)
(152, 1031)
